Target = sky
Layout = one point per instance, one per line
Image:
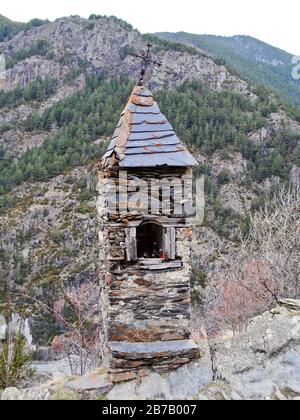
(273, 21)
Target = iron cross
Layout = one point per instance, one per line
(147, 60)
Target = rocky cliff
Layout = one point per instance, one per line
(104, 44)
(251, 58)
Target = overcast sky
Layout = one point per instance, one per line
(272, 21)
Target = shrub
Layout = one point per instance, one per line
(15, 363)
(57, 236)
(84, 208)
(224, 177)
(69, 180)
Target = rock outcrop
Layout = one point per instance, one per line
(13, 394)
(263, 363)
(104, 44)
(54, 240)
(183, 383)
(17, 326)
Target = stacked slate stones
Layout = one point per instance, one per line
(145, 299)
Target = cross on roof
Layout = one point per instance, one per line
(147, 60)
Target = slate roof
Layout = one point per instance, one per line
(145, 138)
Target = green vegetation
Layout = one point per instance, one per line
(6, 202)
(204, 119)
(56, 236)
(211, 120)
(293, 112)
(252, 59)
(222, 121)
(84, 197)
(22, 269)
(44, 327)
(80, 119)
(36, 91)
(40, 48)
(118, 21)
(226, 221)
(198, 282)
(15, 363)
(5, 127)
(224, 177)
(3, 285)
(166, 45)
(125, 51)
(8, 28)
(47, 275)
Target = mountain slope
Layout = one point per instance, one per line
(9, 28)
(254, 60)
(105, 44)
(60, 98)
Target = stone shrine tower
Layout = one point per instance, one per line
(145, 204)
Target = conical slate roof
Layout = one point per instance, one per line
(145, 138)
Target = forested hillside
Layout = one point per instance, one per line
(8, 28)
(254, 60)
(61, 96)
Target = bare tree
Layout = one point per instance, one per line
(77, 313)
(274, 241)
(81, 342)
(265, 270)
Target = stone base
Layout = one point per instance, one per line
(134, 360)
(184, 383)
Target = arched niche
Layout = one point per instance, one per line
(150, 240)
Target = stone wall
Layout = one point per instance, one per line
(145, 313)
